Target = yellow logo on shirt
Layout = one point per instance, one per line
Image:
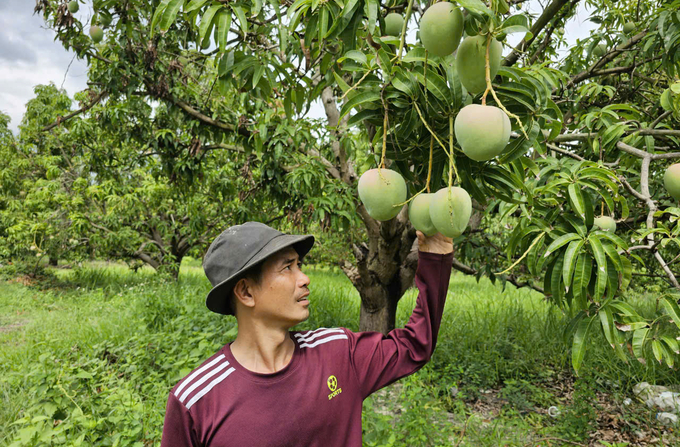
(332, 382)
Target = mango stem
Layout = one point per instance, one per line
(540, 236)
(403, 30)
(427, 126)
(429, 176)
(489, 88)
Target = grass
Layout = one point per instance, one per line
(99, 349)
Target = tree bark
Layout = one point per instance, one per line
(385, 269)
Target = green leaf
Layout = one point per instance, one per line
(194, 5)
(517, 20)
(404, 84)
(668, 355)
(614, 256)
(476, 6)
(576, 200)
(207, 20)
(625, 309)
(417, 54)
(533, 257)
(627, 273)
(356, 55)
(158, 14)
(255, 8)
(241, 16)
(658, 351)
(170, 13)
(665, 100)
(571, 326)
(578, 348)
(560, 241)
(608, 327)
(371, 10)
(639, 339)
(570, 258)
(348, 9)
(672, 308)
(223, 24)
(343, 85)
(671, 343)
(385, 62)
(364, 114)
(602, 174)
(556, 285)
(601, 259)
(611, 237)
(675, 88)
(581, 280)
(624, 206)
(257, 74)
(519, 146)
(323, 22)
(358, 100)
(435, 84)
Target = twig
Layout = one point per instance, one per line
(567, 153)
(357, 84)
(61, 119)
(462, 434)
(538, 238)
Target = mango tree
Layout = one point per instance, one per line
(539, 145)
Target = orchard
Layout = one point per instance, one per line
(542, 137)
(553, 165)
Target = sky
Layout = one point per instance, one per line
(29, 55)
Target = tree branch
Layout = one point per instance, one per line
(85, 108)
(511, 278)
(567, 153)
(607, 58)
(549, 31)
(206, 119)
(548, 13)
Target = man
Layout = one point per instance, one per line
(276, 387)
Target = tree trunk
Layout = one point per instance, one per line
(384, 270)
(380, 319)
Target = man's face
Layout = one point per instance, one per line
(281, 298)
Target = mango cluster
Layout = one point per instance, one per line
(482, 131)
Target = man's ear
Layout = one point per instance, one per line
(243, 293)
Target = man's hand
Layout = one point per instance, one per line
(438, 243)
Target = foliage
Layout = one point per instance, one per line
(592, 134)
(116, 341)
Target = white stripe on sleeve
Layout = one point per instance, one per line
(197, 372)
(323, 340)
(203, 379)
(310, 337)
(208, 387)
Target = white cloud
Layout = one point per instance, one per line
(35, 58)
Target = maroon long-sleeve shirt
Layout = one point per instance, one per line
(315, 400)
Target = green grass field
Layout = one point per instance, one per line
(90, 361)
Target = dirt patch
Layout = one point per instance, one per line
(615, 423)
(24, 280)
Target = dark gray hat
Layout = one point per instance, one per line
(239, 248)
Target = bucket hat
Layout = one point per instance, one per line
(238, 249)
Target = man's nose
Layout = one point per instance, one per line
(303, 280)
